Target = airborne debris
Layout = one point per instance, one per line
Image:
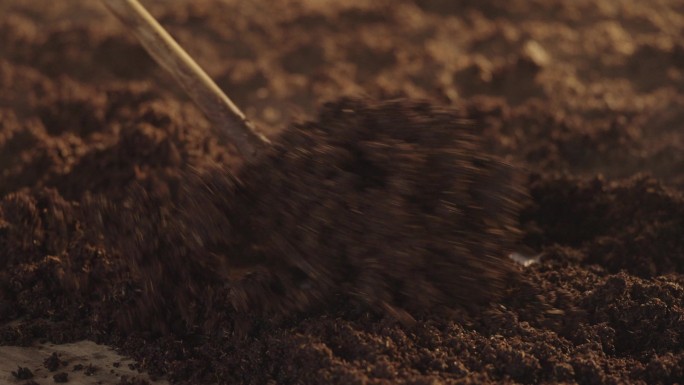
(395, 203)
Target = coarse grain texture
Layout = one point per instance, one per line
(392, 203)
(586, 96)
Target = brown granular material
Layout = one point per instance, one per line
(584, 97)
(396, 201)
(392, 203)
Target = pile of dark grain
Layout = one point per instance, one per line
(393, 204)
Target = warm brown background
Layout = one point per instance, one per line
(587, 96)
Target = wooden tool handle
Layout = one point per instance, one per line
(218, 108)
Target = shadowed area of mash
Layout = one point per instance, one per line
(393, 203)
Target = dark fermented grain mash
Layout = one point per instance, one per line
(587, 102)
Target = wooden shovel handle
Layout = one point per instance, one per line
(219, 109)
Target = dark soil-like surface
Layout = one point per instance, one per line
(120, 222)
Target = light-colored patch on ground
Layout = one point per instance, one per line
(110, 366)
